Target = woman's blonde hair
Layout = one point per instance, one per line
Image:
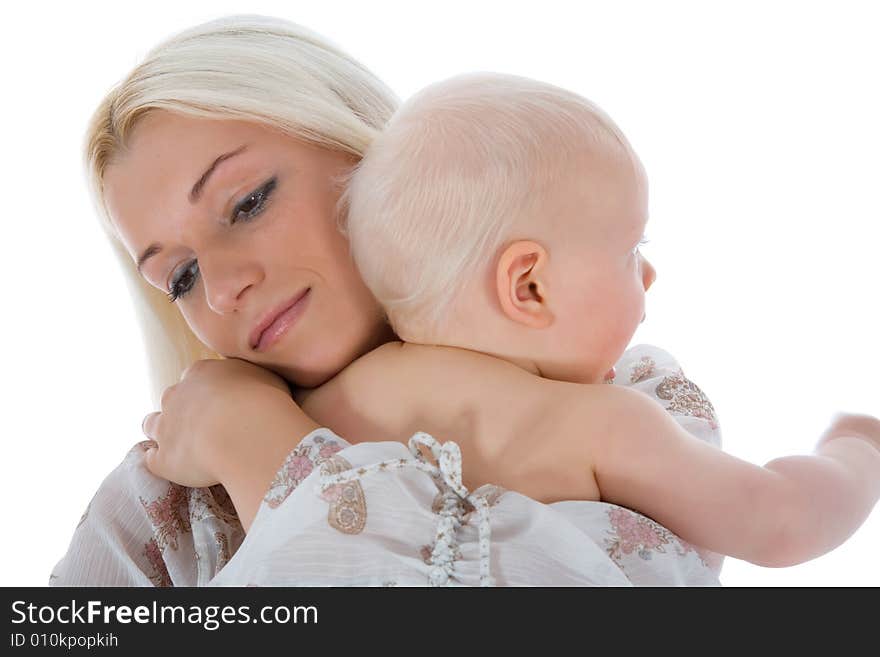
(463, 165)
(245, 67)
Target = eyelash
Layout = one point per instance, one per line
(260, 196)
(642, 241)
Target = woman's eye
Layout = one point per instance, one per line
(245, 210)
(253, 204)
(184, 281)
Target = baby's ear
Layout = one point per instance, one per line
(521, 284)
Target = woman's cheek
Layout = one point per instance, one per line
(210, 335)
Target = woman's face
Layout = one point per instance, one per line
(238, 222)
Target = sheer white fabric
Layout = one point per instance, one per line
(322, 523)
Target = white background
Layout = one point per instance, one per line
(758, 126)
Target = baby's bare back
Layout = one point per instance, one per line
(559, 441)
(512, 426)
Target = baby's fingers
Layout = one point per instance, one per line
(160, 462)
(150, 427)
(853, 424)
(150, 424)
(151, 459)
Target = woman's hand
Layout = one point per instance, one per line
(208, 418)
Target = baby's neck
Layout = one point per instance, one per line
(484, 332)
(532, 365)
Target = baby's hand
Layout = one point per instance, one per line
(209, 416)
(849, 424)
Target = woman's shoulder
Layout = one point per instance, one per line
(643, 361)
(121, 536)
(658, 374)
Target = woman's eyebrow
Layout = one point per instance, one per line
(196, 191)
(194, 196)
(149, 252)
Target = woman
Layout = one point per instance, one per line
(215, 166)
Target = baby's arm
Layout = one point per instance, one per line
(793, 509)
(252, 459)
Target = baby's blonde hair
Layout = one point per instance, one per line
(460, 167)
(247, 67)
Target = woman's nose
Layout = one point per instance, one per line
(649, 274)
(225, 283)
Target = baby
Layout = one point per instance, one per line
(497, 220)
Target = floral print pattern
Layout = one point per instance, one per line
(223, 554)
(200, 526)
(159, 575)
(643, 369)
(348, 505)
(298, 465)
(169, 515)
(633, 533)
(212, 502)
(686, 398)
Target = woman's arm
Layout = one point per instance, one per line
(109, 544)
(140, 530)
(227, 421)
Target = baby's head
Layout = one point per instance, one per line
(503, 215)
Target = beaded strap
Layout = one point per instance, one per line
(454, 497)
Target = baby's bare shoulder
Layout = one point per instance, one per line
(405, 373)
(405, 369)
(408, 363)
(427, 381)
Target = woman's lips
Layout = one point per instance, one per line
(280, 325)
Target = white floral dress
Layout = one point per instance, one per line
(377, 514)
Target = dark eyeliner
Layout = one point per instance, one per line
(176, 292)
(259, 198)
